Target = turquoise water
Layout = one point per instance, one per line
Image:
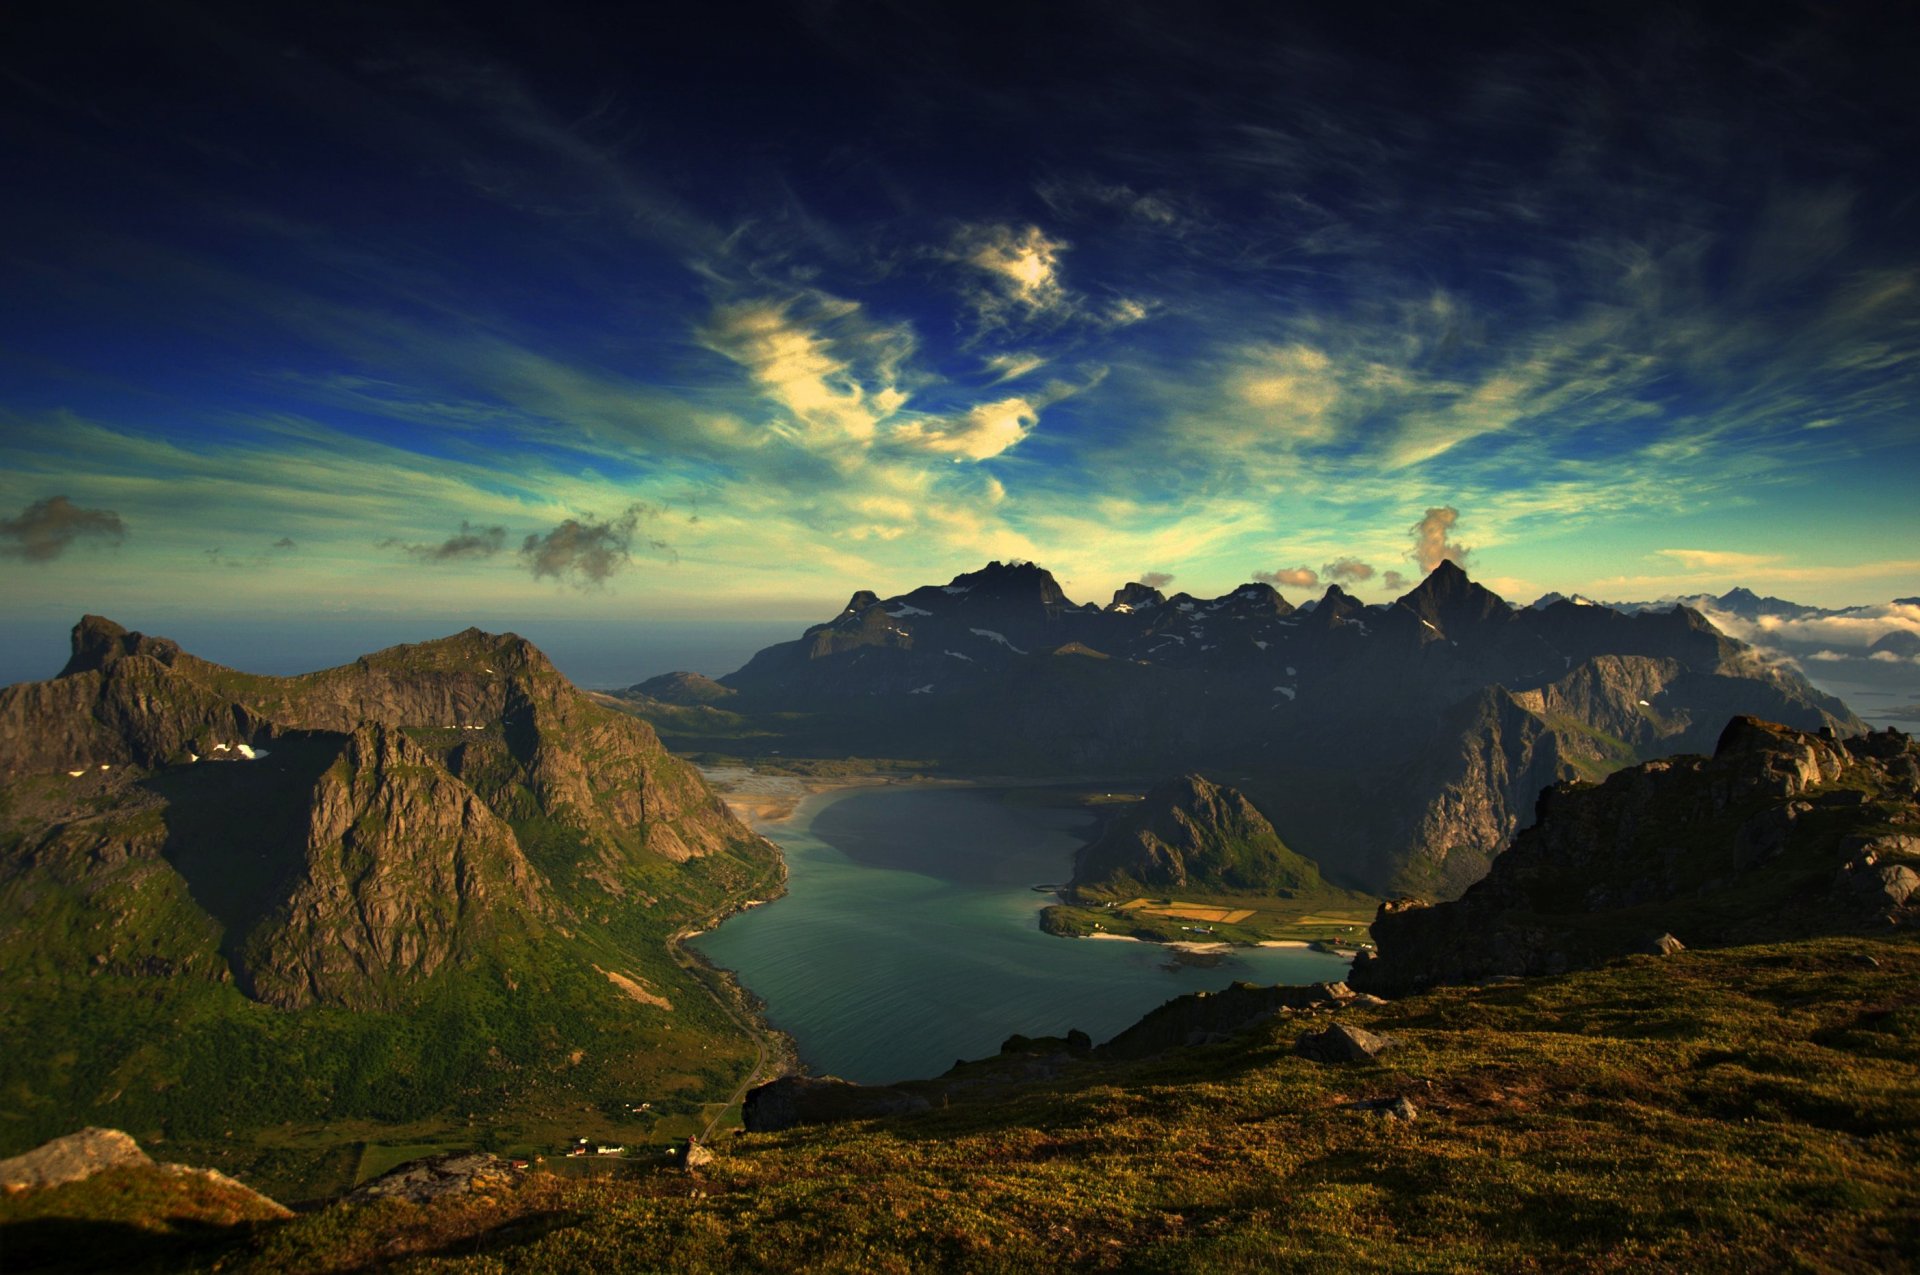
(909, 936)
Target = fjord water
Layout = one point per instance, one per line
(909, 937)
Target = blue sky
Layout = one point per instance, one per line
(440, 314)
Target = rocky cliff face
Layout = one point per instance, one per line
(1190, 832)
(1779, 834)
(406, 870)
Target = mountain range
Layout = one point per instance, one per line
(1398, 745)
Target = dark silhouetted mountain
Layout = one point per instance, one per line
(1901, 642)
(1400, 745)
(1780, 834)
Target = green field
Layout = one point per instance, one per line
(1332, 917)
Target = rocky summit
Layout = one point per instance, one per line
(1779, 833)
(1400, 746)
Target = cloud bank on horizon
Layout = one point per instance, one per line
(396, 308)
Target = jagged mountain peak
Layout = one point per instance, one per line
(1449, 596)
(1782, 833)
(1254, 596)
(1135, 596)
(1012, 579)
(99, 642)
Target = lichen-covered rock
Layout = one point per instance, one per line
(79, 1156)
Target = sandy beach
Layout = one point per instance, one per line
(764, 800)
(1205, 949)
(1202, 948)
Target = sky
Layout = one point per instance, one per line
(383, 320)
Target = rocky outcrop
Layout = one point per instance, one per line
(1779, 834)
(1203, 1018)
(438, 1177)
(1185, 1022)
(79, 1156)
(1190, 832)
(1342, 1043)
(72, 1159)
(800, 1100)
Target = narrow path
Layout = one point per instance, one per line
(764, 1051)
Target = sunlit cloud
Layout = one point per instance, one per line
(1433, 541)
(979, 433)
(1348, 571)
(1718, 559)
(1290, 577)
(803, 365)
(1022, 269)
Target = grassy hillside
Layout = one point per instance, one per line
(532, 1045)
(1752, 1108)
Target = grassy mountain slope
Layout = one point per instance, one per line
(1748, 1108)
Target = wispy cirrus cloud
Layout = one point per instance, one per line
(818, 358)
(469, 543)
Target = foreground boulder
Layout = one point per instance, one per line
(1342, 1043)
(76, 1157)
(1781, 834)
(79, 1156)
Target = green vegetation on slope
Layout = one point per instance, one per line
(518, 1049)
(1741, 1109)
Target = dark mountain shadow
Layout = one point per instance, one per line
(237, 830)
(91, 1245)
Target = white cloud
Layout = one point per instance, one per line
(1023, 266)
(980, 433)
